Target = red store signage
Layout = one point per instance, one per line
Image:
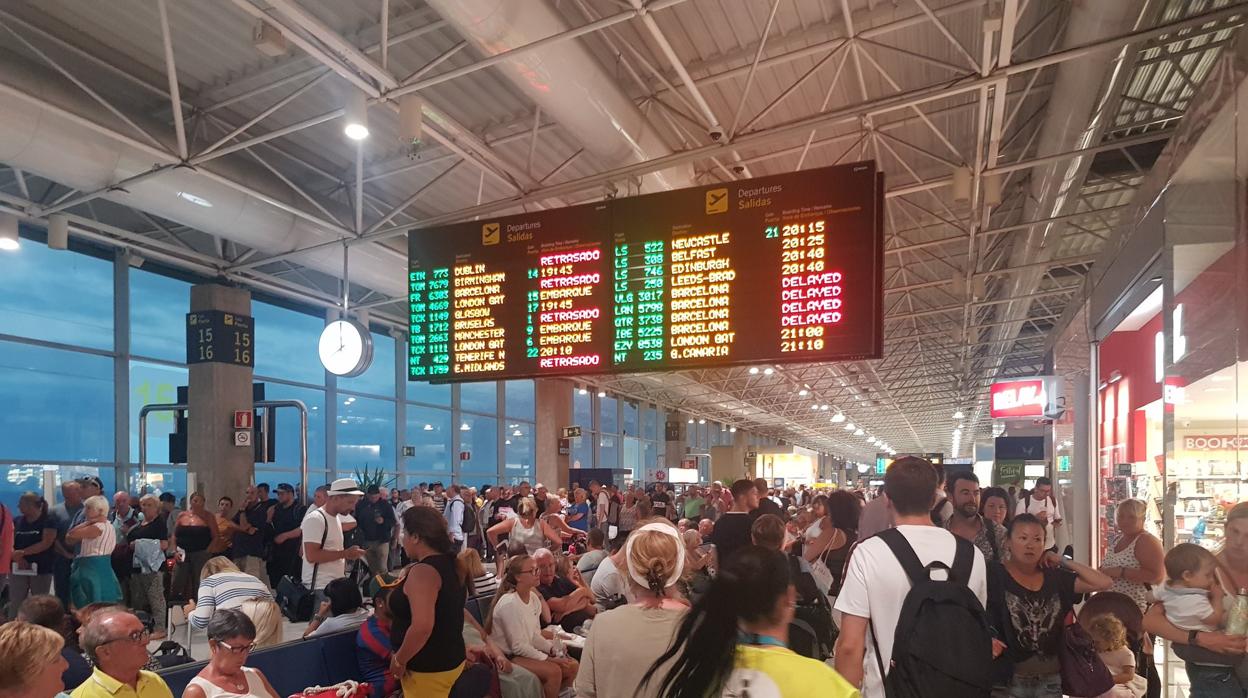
(1019, 398)
(1215, 442)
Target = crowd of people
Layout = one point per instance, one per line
(608, 591)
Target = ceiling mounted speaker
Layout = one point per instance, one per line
(58, 231)
(959, 286)
(411, 122)
(992, 190)
(962, 184)
(268, 40)
(980, 286)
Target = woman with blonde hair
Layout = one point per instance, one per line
(30, 661)
(515, 625)
(223, 586)
(525, 531)
(1136, 560)
(633, 636)
(267, 617)
(149, 542)
(484, 583)
(92, 579)
(193, 532)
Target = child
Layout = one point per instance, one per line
(1192, 594)
(1110, 637)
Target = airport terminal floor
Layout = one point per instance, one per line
(623, 349)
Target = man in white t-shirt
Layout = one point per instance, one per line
(328, 561)
(1043, 505)
(602, 504)
(875, 584)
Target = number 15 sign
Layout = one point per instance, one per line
(221, 337)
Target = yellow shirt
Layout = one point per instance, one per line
(775, 671)
(101, 685)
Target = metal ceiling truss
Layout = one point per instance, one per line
(945, 252)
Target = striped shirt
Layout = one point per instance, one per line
(225, 590)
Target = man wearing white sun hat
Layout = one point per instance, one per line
(324, 553)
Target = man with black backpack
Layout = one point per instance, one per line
(457, 523)
(913, 602)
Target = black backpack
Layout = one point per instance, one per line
(467, 518)
(925, 661)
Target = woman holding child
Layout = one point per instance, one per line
(1211, 657)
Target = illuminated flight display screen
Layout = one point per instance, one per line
(771, 270)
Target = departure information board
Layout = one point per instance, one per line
(772, 270)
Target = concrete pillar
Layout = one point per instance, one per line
(728, 462)
(1082, 519)
(216, 391)
(554, 412)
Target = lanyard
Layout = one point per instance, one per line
(744, 638)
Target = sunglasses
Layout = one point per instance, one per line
(236, 650)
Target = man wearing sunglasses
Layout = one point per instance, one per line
(117, 642)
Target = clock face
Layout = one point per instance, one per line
(346, 348)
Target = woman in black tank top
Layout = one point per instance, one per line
(429, 653)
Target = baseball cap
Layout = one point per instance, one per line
(343, 485)
(285, 487)
(91, 480)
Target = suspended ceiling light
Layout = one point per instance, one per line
(870, 439)
(824, 407)
(355, 120)
(859, 432)
(732, 429)
(58, 231)
(582, 391)
(959, 415)
(768, 371)
(602, 393)
(507, 442)
(465, 427)
(838, 417)
(814, 407)
(701, 421)
(753, 370)
(849, 426)
(517, 433)
(428, 427)
(9, 237)
(803, 392)
(691, 420)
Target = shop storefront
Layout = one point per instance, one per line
(1161, 408)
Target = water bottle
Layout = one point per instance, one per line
(1237, 619)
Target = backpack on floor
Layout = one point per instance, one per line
(925, 662)
(171, 654)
